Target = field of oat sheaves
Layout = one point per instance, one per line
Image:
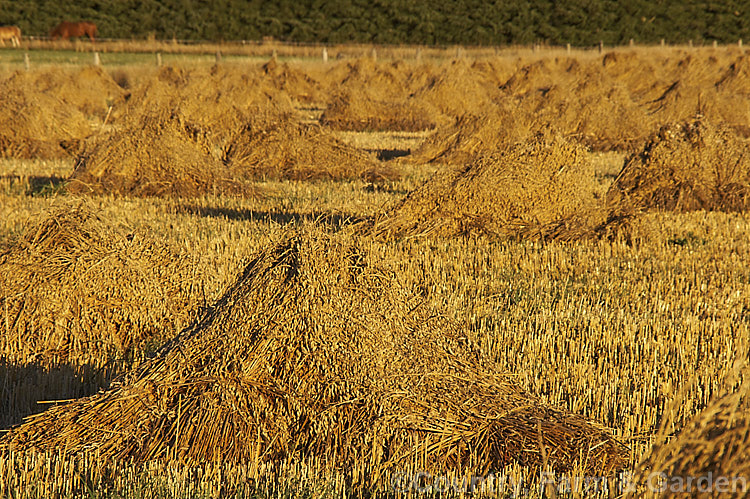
(304, 278)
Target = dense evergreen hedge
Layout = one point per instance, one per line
(468, 22)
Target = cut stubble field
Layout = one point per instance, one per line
(637, 328)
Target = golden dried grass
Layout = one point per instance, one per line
(456, 88)
(714, 447)
(278, 146)
(495, 70)
(687, 166)
(77, 288)
(358, 111)
(585, 111)
(630, 285)
(579, 99)
(36, 125)
(714, 86)
(368, 96)
(295, 83)
(381, 81)
(541, 75)
(736, 77)
(540, 188)
(471, 136)
(683, 100)
(90, 89)
(639, 72)
(316, 352)
(214, 103)
(194, 132)
(153, 155)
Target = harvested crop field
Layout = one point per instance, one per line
(512, 275)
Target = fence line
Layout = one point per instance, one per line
(315, 51)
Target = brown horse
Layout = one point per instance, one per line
(12, 33)
(67, 30)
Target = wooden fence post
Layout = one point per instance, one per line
(26, 61)
(97, 60)
(325, 54)
(158, 59)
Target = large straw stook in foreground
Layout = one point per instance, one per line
(713, 448)
(316, 352)
(76, 288)
(685, 167)
(539, 188)
(152, 155)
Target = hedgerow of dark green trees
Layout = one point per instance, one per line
(467, 22)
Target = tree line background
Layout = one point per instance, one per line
(466, 22)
